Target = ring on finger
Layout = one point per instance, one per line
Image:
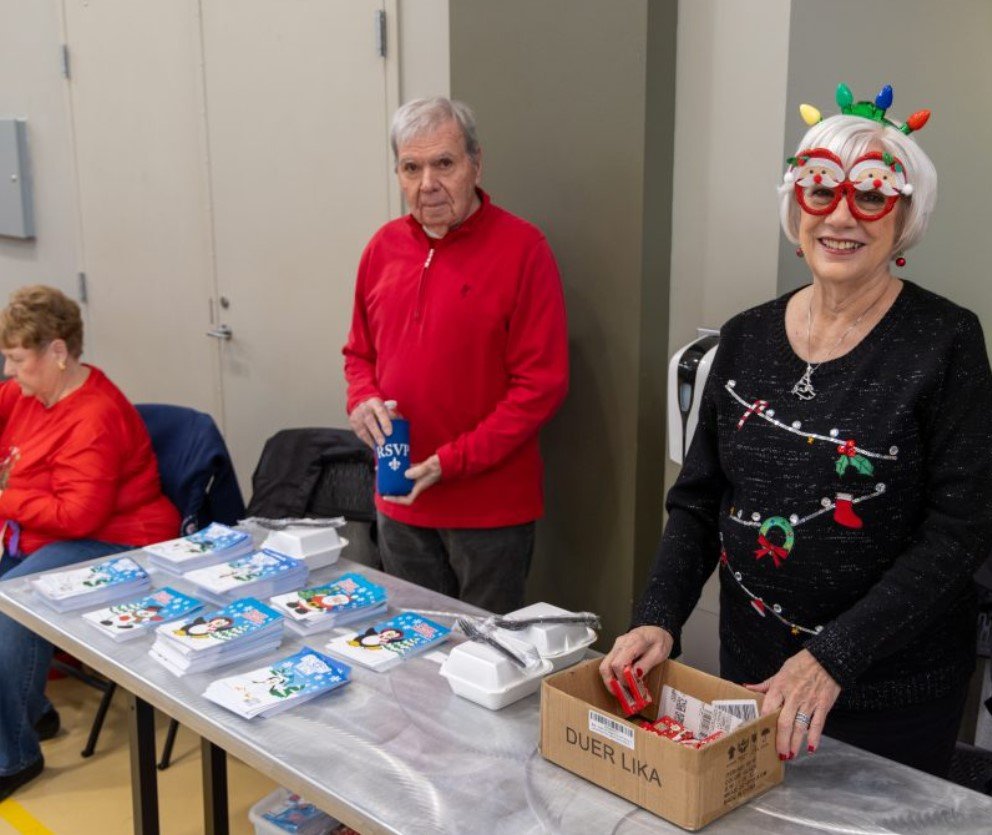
(803, 718)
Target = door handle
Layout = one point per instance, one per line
(221, 332)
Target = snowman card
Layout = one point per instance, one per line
(279, 686)
(124, 621)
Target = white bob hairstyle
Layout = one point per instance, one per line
(851, 136)
(422, 116)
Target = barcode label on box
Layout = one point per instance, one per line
(600, 723)
(744, 709)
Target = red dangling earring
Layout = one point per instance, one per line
(900, 261)
(799, 252)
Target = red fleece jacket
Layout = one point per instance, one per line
(468, 335)
(83, 469)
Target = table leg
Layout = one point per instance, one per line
(214, 764)
(144, 783)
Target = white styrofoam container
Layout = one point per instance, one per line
(274, 801)
(301, 540)
(563, 644)
(484, 675)
(319, 559)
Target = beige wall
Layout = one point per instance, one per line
(32, 88)
(566, 112)
(730, 107)
(425, 48)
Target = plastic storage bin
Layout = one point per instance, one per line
(297, 816)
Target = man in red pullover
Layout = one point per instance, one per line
(460, 318)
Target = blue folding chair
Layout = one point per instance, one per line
(194, 465)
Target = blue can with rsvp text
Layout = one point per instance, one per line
(393, 460)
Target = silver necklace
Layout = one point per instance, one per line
(803, 389)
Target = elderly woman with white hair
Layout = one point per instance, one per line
(840, 479)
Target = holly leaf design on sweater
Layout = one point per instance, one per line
(859, 462)
(862, 465)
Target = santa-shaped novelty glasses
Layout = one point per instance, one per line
(873, 185)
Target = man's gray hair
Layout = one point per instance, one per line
(422, 116)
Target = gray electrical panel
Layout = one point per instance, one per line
(16, 201)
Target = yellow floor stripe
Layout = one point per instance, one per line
(19, 818)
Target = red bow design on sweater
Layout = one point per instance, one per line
(778, 553)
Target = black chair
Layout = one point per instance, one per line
(198, 478)
(315, 472)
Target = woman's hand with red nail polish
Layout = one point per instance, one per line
(645, 646)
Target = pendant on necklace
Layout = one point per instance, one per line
(803, 389)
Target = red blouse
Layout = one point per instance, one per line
(82, 469)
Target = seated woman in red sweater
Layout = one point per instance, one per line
(78, 480)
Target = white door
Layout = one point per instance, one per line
(300, 177)
(136, 99)
(232, 159)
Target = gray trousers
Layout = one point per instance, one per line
(486, 567)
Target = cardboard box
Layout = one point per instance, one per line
(581, 730)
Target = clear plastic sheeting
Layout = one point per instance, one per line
(400, 752)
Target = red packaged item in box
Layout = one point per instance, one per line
(667, 723)
(699, 743)
(630, 693)
(667, 727)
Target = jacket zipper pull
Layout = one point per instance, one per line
(420, 286)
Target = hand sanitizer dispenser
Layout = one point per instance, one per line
(687, 373)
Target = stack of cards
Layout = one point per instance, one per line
(125, 621)
(270, 690)
(244, 629)
(215, 543)
(349, 598)
(261, 574)
(82, 588)
(388, 643)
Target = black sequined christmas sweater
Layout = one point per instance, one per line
(849, 524)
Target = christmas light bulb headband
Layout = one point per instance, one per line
(875, 181)
(867, 110)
